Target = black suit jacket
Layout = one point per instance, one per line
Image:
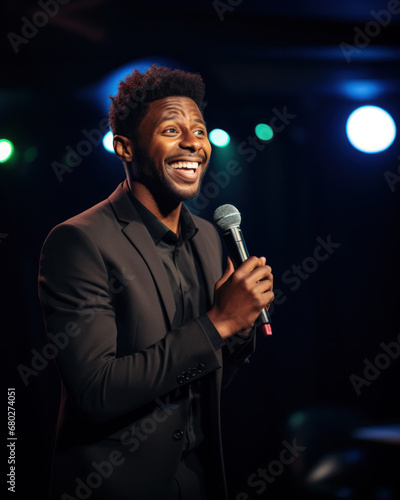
(108, 308)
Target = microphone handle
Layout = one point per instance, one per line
(238, 253)
(236, 246)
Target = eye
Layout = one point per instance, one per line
(170, 130)
(200, 132)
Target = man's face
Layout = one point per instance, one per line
(172, 149)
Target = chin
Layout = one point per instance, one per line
(181, 194)
(188, 195)
(169, 192)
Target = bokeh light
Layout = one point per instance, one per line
(6, 150)
(370, 129)
(264, 132)
(219, 137)
(108, 141)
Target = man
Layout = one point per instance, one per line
(130, 285)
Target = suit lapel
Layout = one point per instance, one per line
(140, 238)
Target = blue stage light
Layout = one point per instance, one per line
(101, 91)
(108, 141)
(363, 89)
(370, 129)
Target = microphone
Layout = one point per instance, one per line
(227, 219)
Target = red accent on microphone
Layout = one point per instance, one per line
(266, 329)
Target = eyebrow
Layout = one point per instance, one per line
(177, 117)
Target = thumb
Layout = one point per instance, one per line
(229, 270)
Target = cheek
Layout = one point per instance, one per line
(208, 148)
(162, 149)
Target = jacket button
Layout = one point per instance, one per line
(180, 379)
(200, 367)
(193, 372)
(178, 434)
(186, 375)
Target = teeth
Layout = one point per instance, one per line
(185, 164)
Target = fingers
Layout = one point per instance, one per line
(254, 269)
(259, 278)
(263, 273)
(230, 266)
(241, 295)
(251, 263)
(229, 270)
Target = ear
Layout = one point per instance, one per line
(123, 148)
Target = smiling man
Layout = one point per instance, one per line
(167, 158)
(149, 323)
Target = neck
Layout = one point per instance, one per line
(166, 210)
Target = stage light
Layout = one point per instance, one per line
(370, 129)
(219, 137)
(362, 89)
(6, 150)
(108, 141)
(101, 91)
(264, 132)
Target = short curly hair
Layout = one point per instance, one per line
(138, 90)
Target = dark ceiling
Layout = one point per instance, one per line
(86, 39)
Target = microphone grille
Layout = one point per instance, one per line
(226, 217)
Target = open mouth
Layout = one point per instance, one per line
(185, 170)
(185, 165)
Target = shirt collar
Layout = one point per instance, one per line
(159, 231)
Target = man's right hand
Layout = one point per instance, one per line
(241, 295)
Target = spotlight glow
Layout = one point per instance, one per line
(219, 137)
(6, 150)
(370, 129)
(108, 141)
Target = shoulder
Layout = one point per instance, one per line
(79, 244)
(97, 223)
(92, 219)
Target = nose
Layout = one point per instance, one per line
(190, 141)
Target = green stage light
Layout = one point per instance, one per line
(264, 132)
(6, 150)
(219, 137)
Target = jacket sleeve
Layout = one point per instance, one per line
(82, 327)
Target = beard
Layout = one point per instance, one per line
(163, 189)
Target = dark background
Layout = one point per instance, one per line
(307, 183)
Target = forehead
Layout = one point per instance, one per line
(175, 106)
